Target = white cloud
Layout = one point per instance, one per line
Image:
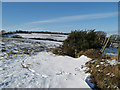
(78, 17)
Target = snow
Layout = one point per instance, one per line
(47, 43)
(113, 62)
(50, 44)
(93, 61)
(97, 66)
(110, 74)
(111, 51)
(41, 35)
(102, 62)
(44, 70)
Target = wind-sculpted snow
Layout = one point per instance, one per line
(44, 70)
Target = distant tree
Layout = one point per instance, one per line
(102, 35)
(3, 31)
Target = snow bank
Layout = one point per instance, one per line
(44, 70)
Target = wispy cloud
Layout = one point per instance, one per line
(38, 25)
(78, 17)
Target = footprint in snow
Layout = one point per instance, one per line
(77, 69)
(59, 73)
(44, 76)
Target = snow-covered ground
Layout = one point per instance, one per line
(49, 44)
(41, 35)
(44, 70)
(26, 64)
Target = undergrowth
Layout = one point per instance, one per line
(103, 74)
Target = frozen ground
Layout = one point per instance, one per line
(47, 43)
(44, 70)
(25, 63)
(41, 35)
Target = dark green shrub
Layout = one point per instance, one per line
(81, 40)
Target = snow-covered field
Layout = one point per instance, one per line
(47, 43)
(26, 64)
(41, 35)
(44, 70)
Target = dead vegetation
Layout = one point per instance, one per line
(91, 53)
(103, 74)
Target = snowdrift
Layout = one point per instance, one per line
(44, 70)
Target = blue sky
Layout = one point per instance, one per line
(60, 16)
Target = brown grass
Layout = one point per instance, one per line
(109, 77)
(114, 57)
(91, 53)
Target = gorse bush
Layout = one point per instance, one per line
(81, 40)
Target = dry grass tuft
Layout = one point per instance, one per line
(114, 57)
(104, 76)
(91, 53)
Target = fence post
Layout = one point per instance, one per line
(118, 58)
(104, 46)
